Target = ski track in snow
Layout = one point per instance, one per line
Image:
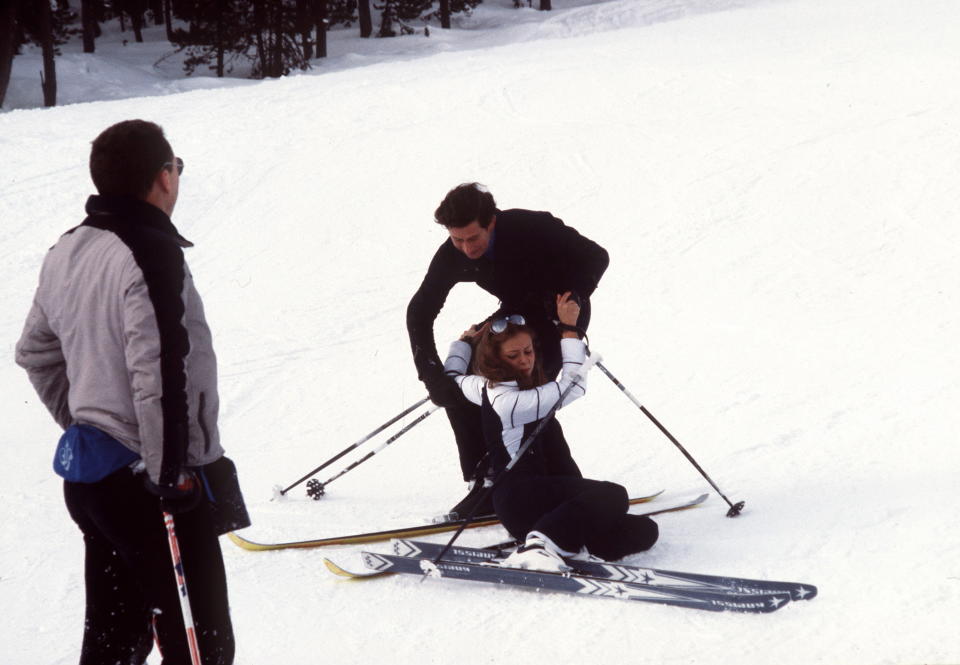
(776, 183)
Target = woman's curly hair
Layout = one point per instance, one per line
(488, 363)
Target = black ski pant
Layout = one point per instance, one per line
(573, 513)
(131, 589)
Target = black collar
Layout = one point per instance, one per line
(137, 211)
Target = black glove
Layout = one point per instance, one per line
(444, 391)
(180, 498)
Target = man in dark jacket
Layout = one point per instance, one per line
(117, 348)
(525, 259)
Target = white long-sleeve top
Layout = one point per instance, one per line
(515, 407)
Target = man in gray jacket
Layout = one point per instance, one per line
(117, 348)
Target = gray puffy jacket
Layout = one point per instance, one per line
(116, 338)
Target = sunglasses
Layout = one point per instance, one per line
(499, 325)
(176, 162)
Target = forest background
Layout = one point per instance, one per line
(246, 38)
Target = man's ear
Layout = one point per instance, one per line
(164, 180)
(161, 189)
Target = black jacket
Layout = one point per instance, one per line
(533, 257)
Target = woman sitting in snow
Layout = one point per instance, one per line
(543, 500)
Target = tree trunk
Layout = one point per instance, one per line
(387, 18)
(48, 80)
(8, 15)
(88, 20)
(445, 14)
(320, 14)
(545, 5)
(168, 19)
(220, 38)
(278, 42)
(366, 21)
(303, 28)
(136, 20)
(259, 27)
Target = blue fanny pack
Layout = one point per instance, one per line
(86, 454)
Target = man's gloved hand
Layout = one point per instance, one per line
(444, 391)
(180, 498)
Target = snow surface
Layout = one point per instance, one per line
(777, 185)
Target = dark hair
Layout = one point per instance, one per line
(464, 204)
(127, 156)
(489, 364)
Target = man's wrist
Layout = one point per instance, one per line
(569, 331)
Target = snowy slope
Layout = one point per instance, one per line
(776, 182)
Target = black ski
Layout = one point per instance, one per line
(338, 569)
(716, 601)
(619, 572)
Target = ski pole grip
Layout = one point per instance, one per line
(592, 359)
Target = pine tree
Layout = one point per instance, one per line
(448, 7)
(277, 44)
(214, 36)
(264, 33)
(46, 23)
(395, 14)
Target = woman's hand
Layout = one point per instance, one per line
(471, 334)
(568, 310)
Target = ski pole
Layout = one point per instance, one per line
(357, 444)
(735, 508)
(590, 361)
(316, 489)
(182, 586)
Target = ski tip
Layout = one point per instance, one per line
(340, 571)
(775, 601)
(243, 543)
(336, 569)
(804, 592)
(251, 545)
(645, 498)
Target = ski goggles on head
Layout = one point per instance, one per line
(497, 326)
